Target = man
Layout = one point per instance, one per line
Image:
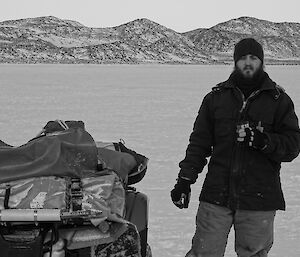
(247, 126)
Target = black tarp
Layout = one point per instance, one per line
(72, 153)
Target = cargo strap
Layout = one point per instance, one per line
(76, 195)
(6, 197)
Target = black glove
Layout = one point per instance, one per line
(181, 193)
(252, 137)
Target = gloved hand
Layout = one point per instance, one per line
(252, 137)
(181, 193)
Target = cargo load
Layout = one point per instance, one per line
(64, 193)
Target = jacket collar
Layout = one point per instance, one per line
(268, 85)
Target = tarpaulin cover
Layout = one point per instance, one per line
(104, 193)
(67, 153)
(122, 163)
(129, 164)
(35, 193)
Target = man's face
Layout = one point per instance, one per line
(248, 65)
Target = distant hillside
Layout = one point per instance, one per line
(281, 41)
(53, 40)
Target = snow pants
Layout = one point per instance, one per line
(253, 231)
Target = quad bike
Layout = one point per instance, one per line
(64, 195)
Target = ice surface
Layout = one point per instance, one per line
(151, 107)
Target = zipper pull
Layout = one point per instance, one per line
(243, 99)
(243, 106)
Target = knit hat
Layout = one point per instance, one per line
(248, 46)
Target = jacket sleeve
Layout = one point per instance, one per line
(284, 143)
(200, 142)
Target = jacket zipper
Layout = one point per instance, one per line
(245, 101)
(239, 151)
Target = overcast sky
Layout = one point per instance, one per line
(179, 15)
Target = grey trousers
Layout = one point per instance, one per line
(253, 231)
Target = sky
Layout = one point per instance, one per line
(179, 15)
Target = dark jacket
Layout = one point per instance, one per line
(241, 177)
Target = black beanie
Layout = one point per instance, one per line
(248, 46)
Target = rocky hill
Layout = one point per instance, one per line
(53, 40)
(281, 41)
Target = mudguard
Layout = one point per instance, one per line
(136, 207)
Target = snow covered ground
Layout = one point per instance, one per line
(151, 107)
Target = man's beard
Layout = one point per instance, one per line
(255, 78)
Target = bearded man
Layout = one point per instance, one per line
(247, 126)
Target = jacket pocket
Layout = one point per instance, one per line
(265, 121)
(224, 123)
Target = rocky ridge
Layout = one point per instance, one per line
(53, 40)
